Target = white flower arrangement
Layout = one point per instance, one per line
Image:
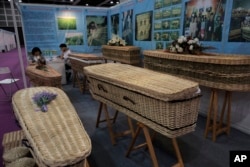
(186, 45)
(116, 41)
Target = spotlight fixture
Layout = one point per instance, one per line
(117, 2)
(20, 1)
(111, 2)
(71, 0)
(86, 4)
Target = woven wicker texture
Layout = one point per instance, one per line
(50, 77)
(152, 84)
(228, 72)
(123, 54)
(23, 162)
(167, 104)
(77, 64)
(15, 153)
(57, 136)
(85, 56)
(12, 140)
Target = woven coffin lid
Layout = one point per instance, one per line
(86, 56)
(154, 84)
(125, 48)
(49, 73)
(213, 58)
(57, 136)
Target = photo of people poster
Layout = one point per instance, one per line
(115, 24)
(240, 22)
(204, 19)
(127, 26)
(143, 27)
(97, 30)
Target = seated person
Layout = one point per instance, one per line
(37, 57)
(65, 55)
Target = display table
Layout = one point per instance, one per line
(58, 65)
(78, 62)
(56, 137)
(216, 71)
(122, 54)
(167, 104)
(48, 77)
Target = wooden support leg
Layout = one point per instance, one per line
(107, 119)
(148, 143)
(74, 78)
(112, 135)
(209, 113)
(178, 153)
(99, 115)
(215, 111)
(214, 125)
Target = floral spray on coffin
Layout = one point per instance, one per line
(116, 41)
(187, 45)
(42, 99)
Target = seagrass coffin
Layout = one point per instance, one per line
(48, 77)
(165, 103)
(122, 54)
(220, 71)
(57, 137)
(80, 60)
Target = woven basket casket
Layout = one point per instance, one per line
(80, 60)
(220, 71)
(47, 77)
(122, 54)
(165, 103)
(56, 137)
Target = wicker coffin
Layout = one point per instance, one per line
(57, 137)
(123, 54)
(80, 60)
(48, 77)
(165, 103)
(228, 72)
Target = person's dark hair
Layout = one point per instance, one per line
(62, 45)
(36, 49)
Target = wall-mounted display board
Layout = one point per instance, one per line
(167, 22)
(240, 22)
(46, 27)
(97, 30)
(143, 26)
(204, 19)
(115, 23)
(127, 26)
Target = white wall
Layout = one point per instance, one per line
(240, 111)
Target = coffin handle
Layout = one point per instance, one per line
(100, 87)
(128, 99)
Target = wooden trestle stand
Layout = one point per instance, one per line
(215, 124)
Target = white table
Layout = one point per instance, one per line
(58, 65)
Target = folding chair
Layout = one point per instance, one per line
(7, 81)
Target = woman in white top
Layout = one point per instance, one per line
(65, 55)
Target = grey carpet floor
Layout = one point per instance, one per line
(196, 151)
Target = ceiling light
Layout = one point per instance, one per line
(20, 1)
(111, 2)
(71, 0)
(87, 4)
(9, 0)
(117, 2)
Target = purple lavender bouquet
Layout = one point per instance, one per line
(43, 98)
